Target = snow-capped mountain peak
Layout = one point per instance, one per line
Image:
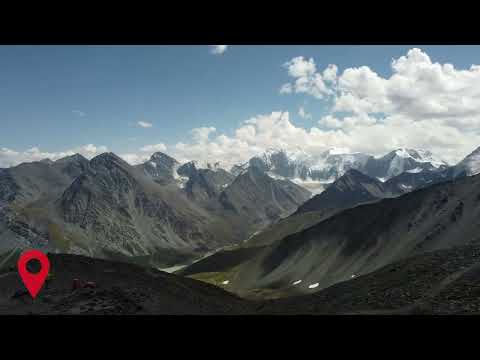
(420, 155)
(401, 160)
(404, 153)
(324, 168)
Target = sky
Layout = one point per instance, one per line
(228, 103)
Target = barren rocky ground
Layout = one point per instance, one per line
(439, 282)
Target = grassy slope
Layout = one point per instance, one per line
(230, 264)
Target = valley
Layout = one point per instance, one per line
(254, 233)
(174, 178)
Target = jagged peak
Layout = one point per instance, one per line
(162, 156)
(106, 155)
(74, 157)
(108, 159)
(419, 155)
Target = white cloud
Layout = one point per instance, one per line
(417, 88)
(360, 132)
(135, 159)
(9, 157)
(254, 136)
(299, 67)
(330, 122)
(421, 104)
(90, 150)
(79, 113)
(202, 134)
(144, 124)
(218, 49)
(307, 79)
(330, 73)
(303, 114)
(154, 148)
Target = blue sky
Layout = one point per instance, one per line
(61, 97)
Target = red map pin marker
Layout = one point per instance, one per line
(33, 282)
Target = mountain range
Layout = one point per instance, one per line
(343, 244)
(159, 210)
(262, 227)
(62, 189)
(316, 171)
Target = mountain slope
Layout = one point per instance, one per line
(401, 160)
(204, 184)
(355, 188)
(161, 167)
(362, 239)
(256, 196)
(146, 214)
(121, 289)
(72, 166)
(29, 182)
(115, 208)
(352, 189)
(470, 165)
(438, 282)
(27, 192)
(418, 178)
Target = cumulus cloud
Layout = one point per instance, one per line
(9, 157)
(144, 153)
(135, 159)
(330, 122)
(299, 67)
(418, 88)
(218, 49)
(330, 74)
(422, 103)
(202, 134)
(256, 135)
(308, 80)
(144, 124)
(357, 132)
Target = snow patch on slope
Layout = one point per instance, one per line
(415, 171)
(180, 180)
